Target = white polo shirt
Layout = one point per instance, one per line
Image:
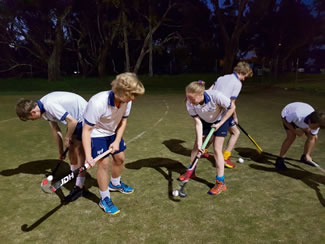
(229, 85)
(103, 115)
(298, 113)
(213, 108)
(56, 106)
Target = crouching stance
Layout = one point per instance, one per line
(105, 122)
(209, 108)
(67, 108)
(300, 119)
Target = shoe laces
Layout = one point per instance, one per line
(109, 202)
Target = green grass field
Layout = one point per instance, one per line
(260, 206)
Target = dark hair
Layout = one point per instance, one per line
(318, 117)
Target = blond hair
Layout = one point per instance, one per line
(244, 69)
(24, 108)
(127, 85)
(195, 87)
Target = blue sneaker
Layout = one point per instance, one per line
(123, 188)
(108, 206)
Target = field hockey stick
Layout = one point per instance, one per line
(317, 166)
(180, 192)
(59, 163)
(47, 185)
(259, 149)
(193, 164)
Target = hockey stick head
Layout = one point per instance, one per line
(46, 184)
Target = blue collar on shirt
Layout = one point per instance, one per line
(236, 75)
(41, 106)
(110, 100)
(206, 98)
(306, 119)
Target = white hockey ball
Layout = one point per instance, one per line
(175, 193)
(240, 160)
(50, 178)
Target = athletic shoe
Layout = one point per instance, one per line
(188, 175)
(304, 160)
(108, 206)
(206, 155)
(74, 194)
(229, 164)
(218, 188)
(279, 164)
(123, 188)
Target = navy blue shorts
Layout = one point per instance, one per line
(222, 131)
(101, 144)
(78, 131)
(293, 124)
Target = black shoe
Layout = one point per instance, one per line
(279, 164)
(305, 161)
(74, 194)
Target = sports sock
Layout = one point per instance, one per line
(221, 179)
(226, 155)
(80, 181)
(104, 194)
(116, 181)
(73, 167)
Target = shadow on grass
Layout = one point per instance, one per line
(43, 167)
(175, 146)
(170, 165)
(295, 171)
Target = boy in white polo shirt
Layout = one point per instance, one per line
(300, 119)
(230, 85)
(67, 108)
(105, 122)
(209, 108)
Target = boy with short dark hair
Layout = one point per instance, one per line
(67, 108)
(300, 119)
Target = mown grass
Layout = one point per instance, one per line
(260, 206)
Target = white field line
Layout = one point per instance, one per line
(6, 120)
(154, 125)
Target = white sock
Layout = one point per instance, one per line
(116, 181)
(73, 167)
(104, 194)
(80, 181)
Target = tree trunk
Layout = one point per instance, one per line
(126, 43)
(102, 60)
(150, 41)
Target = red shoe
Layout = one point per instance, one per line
(229, 164)
(206, 155)
(218, 188)
(188, 175)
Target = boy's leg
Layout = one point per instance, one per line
(77, 159)
(308, 147)
(291, 137)
(234, 135)
(220, 185)
(117, 168)
(279, 163)
(102, 178)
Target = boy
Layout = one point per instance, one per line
(300, 119)
(209, 108)
(230, 85)
(67, 108)
(105, 122)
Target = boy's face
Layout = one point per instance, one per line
(242, 77)
(194, 98)
(313, 126)
(34, 114)
(125, 99)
